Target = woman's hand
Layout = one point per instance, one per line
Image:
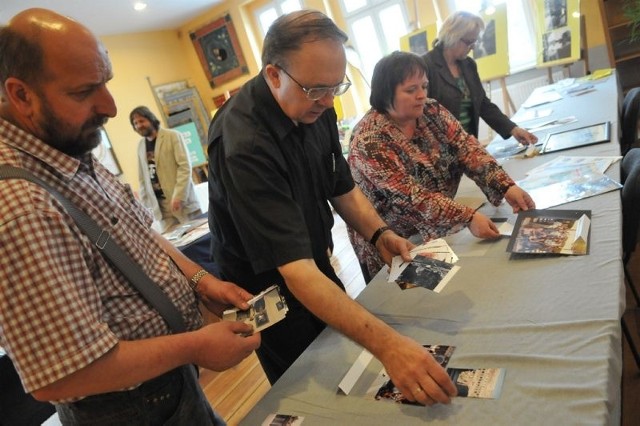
(519, 199)
(482, 227)
(523, 136)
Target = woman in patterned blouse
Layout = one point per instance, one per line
(408, 155)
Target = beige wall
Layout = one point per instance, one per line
(167, 56)
(157, 56)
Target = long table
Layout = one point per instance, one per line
(552, 322)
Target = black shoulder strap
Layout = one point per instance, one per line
(118, 257)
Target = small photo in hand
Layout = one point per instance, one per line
(265, 309)
(432, 274)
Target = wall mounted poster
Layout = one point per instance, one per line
(419, 41)
(491, 51)
(219, 51)
(194, 145)
(558, 32)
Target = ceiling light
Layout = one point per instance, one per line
(139, 5)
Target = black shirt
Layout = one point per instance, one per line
(269, 183)
(151, 164)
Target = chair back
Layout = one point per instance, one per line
(629, 117)
(630, 169)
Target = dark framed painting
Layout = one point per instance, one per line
(219, 51)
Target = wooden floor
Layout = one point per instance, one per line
(234, 392)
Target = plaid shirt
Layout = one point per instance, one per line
(62, 305)
(412, 182)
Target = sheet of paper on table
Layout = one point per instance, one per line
(563, 185)
(563, 163)
(540, 96)
(185, 233)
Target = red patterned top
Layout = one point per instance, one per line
(62, 305)
(412, 182)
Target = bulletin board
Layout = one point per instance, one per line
(491, 51)
(558, 32)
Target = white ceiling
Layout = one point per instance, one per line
(109, 17)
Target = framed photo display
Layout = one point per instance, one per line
(104, 153)
(568, 139)
(219, 51)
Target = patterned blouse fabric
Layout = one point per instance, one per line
(62, 305)
(412, 182)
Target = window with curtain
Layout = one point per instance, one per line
(375, 28)
(268, 13)
(521, 29)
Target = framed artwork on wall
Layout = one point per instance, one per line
(104, 153)
(219, 51)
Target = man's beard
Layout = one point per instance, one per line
(56, 135)
(147, 131)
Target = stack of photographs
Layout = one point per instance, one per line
(265, 309)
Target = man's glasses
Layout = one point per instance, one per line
(316, 93)
(469, 43)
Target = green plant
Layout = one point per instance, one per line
(632, 11)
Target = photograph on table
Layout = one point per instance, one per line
(561, 185)
(575, 138)
(551, 232)
(283, 420)
(485, 383)
(383, 389)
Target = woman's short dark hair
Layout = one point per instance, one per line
(289, 32)
(388, 73)
(145, 112)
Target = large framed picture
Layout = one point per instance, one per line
(568, 139)
(219, 51)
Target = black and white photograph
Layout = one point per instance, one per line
(419, 43)
(265, 309)
(556, 45)
(486, 44)
(426, 272)
(555, 14)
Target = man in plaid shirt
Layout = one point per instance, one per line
(79, 334)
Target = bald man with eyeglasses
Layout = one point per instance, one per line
(275, 166)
